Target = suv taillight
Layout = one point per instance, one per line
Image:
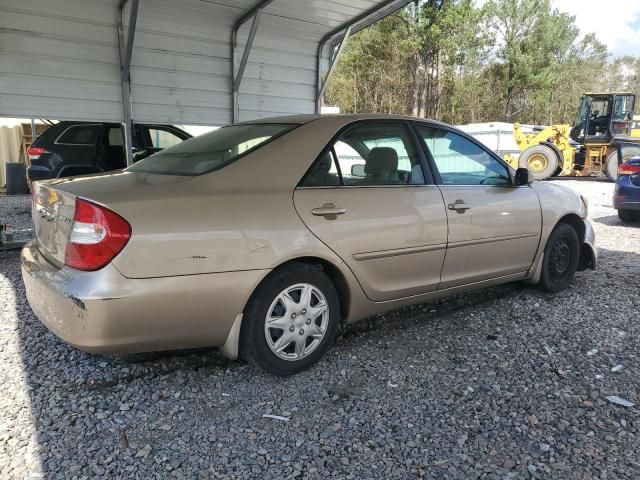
(628, 169)
(35, 152)
(97, 236)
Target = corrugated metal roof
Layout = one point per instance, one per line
(60, 59)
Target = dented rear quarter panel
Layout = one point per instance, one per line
(241, 217)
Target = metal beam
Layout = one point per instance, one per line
(354, 25)
(125, 47)
(333, 61)
(247, 49)
(236, 76)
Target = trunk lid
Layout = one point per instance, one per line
(52, 214)
(54, 203)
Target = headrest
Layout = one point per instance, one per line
(325, 163)
(381, 160)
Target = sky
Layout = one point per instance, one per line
(616, 23)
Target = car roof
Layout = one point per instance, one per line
(338, 118)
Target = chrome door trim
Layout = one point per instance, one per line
(482, 241)
(398, 252)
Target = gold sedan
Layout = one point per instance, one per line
(262, 238)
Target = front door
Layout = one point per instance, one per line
(494, 227)
(366, 198)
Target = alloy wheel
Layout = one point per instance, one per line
(296, 321)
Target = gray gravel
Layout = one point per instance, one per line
(15, 210)
(504, 383)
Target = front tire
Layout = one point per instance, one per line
(291, 320)
(561, 256)
(628, 215)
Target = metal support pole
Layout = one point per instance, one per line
(125, 46)
(33, 130)
(236, 76)
(354, 25)
(333, 61)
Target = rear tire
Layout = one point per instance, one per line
(280, 330)
(541, 160)
(561, 256)
(628, 215)
(611, 166)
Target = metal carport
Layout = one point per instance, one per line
(203, 62)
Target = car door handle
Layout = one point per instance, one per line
(459, 206)
(329, 211)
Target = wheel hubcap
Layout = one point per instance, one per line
(296, 321)
(560, 258)
(537, 163)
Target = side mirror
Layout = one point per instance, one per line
(357, 170)
(523, 177)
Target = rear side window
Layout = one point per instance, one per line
(369, 155)
(80, 135)
(115, 137)
(211, 151)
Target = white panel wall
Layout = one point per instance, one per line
(59, 59)
(180, 66)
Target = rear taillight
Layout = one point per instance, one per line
(628, 169)
(97, 236)
(35, 152)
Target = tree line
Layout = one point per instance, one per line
(507, 60)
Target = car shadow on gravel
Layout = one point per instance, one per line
(614, 220)
(82, 406)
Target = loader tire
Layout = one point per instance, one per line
(541, 160)
(611, 166)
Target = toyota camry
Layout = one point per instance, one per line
(264, 238)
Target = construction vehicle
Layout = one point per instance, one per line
(593, 146)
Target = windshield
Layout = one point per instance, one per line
(211, 151)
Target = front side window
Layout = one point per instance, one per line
(600, 117)
(80, 135)
(211, 151)
(368, 155)
(163, 138)
(460, 161)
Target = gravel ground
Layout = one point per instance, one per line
(15, 210)
(504, 383)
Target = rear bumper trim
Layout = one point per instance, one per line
(103, 311)
(622, 205)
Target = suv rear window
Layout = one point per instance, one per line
(80, 135)
(211, 151)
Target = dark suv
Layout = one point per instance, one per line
(77, 148)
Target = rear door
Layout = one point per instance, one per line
(111, 154)
(367, 199)
(77, 146)
(494, 227)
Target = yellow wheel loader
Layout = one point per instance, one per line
(591, 147)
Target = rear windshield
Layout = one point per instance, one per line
(211, 151)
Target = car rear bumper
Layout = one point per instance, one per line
(38, 172)
(626, 195)
(622, 205)
(105, 312)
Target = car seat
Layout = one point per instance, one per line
(382, 167)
